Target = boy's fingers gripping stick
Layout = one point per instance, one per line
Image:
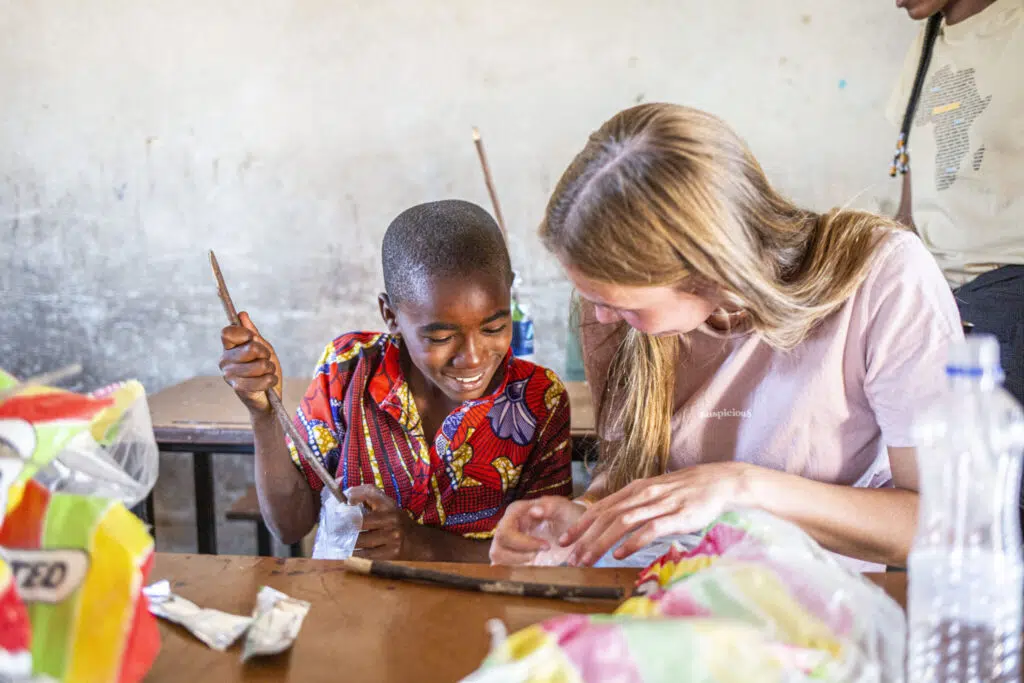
(275, 401)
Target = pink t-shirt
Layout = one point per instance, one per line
(827, 409)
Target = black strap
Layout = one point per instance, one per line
(901, 160)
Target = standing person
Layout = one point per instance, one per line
(959, 103)
(742, 351)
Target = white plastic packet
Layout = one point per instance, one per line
(276, 623)
(650, 552)
(338, 529)
(557, 556)
(215, 628)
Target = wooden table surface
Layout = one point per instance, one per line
(366, 629)
(204, 411)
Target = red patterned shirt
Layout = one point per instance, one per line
(359, 418)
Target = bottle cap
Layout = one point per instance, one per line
(976, 356)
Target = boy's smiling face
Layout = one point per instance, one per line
(456, 331)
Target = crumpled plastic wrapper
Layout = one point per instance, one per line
(338, 529)
(276, 623)
(218, 630)
(756, 600)
(272, 628)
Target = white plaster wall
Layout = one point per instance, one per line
(286, 135)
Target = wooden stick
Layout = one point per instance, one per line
(276, 407)
(401, 572)
(43, 379)
(478, 141)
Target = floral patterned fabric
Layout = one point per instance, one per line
(359, 418)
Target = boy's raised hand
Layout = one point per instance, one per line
(249, 364)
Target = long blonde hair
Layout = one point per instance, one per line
(663, 194)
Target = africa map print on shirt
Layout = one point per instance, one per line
(951, 101)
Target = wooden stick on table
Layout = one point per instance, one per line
(478, 141)
(392, 570)
(275, 401)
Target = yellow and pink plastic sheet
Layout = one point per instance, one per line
(755, 600)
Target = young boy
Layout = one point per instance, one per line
(433, 425)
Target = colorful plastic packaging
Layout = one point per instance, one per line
(756, 599)
(77, 561)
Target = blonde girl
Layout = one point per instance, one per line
(742, 351)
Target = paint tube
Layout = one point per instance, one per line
(219, 630)
(276, 624)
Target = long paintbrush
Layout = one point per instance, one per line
(275, 401)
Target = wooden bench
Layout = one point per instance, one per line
(247, 509)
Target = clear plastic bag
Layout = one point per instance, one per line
(122, 463)
(338, 528)
(98, 444)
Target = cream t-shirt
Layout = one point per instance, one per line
(967, 142)
(829, 408)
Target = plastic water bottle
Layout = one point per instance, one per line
(964, 598)
(522, 325)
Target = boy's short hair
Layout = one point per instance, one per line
(449, 238)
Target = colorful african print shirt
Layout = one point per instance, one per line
(360, 419)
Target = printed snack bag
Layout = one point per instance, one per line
(78, 562)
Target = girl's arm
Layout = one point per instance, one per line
(875, 525)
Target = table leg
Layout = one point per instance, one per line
(263, 547)
(206, 521)
(151, 516)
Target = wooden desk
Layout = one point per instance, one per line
(203, 416)
(204, 411)
(365, 629)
